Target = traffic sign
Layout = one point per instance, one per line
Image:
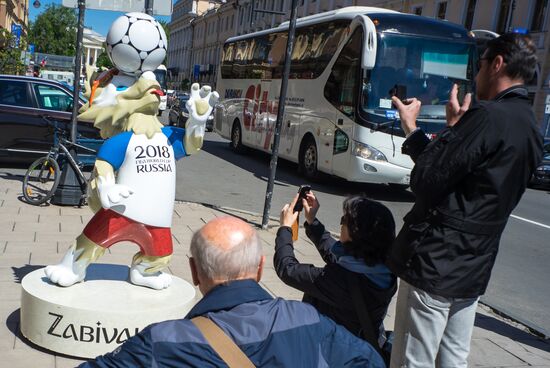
(160, 7)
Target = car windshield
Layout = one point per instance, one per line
(160, 75)
(547, 152)
(409, 66)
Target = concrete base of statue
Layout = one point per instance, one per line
(92, 318)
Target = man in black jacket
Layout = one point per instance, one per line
(467, 182)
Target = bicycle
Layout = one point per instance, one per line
(43, 175)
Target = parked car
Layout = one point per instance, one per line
(26, 103)
(178, 114)
(541, 177)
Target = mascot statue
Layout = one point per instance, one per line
(133, 188)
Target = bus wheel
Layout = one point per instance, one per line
(308, 159)
(236, 138)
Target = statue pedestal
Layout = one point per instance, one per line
(94, 317)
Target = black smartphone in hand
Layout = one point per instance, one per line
(302, 192)
(399, 91)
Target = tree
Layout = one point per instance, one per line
(54, 31)
(166, 28)
(103, 61)
(10, 56)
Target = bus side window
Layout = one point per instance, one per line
(343, 83)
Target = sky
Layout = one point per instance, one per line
(98, 20)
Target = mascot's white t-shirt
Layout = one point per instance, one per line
(148, 167)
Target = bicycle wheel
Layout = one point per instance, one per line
(41, 180)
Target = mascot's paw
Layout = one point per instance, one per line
(200, 104)
(62, 275)
(111, 193)
(157, 280)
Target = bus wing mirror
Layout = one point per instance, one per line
(369, 44)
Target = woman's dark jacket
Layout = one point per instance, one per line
(326, 287)
(467, 182)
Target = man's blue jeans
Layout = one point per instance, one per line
(431, 330)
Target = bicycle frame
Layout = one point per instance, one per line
(74, 164)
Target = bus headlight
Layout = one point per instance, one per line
(367, 152)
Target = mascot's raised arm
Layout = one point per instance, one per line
(133, 190)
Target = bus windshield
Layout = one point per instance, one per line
(410, 66)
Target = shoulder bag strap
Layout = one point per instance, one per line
(230, 353)
(361, 309)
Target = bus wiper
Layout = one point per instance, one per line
(384, 124)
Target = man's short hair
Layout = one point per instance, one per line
(519, 53)
(215, 263)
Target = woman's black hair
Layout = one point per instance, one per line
(371, 227)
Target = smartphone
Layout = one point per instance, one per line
(304, 189)
(399, 91)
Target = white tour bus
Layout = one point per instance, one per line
(346, 64)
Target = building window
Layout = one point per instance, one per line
(537, 22)
(441, 9)
(505, 8)
(470, 11)
(418, 10)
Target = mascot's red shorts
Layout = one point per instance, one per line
(108, 227)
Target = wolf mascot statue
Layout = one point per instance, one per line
(133, 190)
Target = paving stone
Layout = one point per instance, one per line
(532, 351)
(65, 362)
(28, 247)
(485, 353)
(7, 335)
(26, 357)
(16, 259)
(10, 290)
(29, 236)
(50, 227)
(56, 237)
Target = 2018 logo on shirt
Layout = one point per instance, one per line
(153, 159)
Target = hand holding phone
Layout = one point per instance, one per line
(399, 91)
(302, 194)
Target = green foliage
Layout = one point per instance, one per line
(54, 31)
(10, 57)
(166, 28)
(185, 85)
(103, 60)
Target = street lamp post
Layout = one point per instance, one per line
(69, 191)
(149, 7)
(280, 113)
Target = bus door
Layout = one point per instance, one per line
(340, 145)
(289, 134)
(256, 121)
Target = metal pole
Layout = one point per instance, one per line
(280, 114)
(69, 191)
(149, 7)
(77, 68)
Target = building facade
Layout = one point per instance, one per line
(93, 46)
(199, 28)
(14, 12)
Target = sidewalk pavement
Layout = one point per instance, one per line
(32, 237)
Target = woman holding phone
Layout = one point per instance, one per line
(366, 234)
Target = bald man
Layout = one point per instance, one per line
(226, 265)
